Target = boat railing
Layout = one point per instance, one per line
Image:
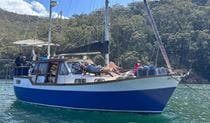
(151, 71)
(21, 70)
(78, 54)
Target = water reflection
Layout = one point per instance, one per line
(48, 114)
(186, 105)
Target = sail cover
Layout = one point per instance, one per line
(92, 47)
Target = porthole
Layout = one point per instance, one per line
(18, 81)
(99, 80)
(79, 81)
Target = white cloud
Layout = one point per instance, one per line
(27, 8)
(39, 8)
(56, 15)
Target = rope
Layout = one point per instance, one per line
(153, 53)
(28, 27)
(156, 59)
(196, 91)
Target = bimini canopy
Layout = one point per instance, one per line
(33, 42)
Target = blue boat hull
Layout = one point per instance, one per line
(147, 101)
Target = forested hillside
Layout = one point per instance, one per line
(183, 24)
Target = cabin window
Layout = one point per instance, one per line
(43, 68)
(35, 69)
(63, 70)
(40, 68)
(75, 68)
(52, 72)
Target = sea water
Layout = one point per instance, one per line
(189, 104)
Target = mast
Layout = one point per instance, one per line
(158, 38)
(53, 3)
(106, 29)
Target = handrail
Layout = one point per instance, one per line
(79, 54)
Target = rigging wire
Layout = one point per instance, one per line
(90, 26)
(97, 25)
(58, 17)
(155, 54)
(28, 27)
(207, 99)
(69, 6)
(156, 59)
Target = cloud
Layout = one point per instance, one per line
(39, 8)
(27, 8)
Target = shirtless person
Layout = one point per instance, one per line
(98, 69)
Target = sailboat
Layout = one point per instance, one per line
(67, 87)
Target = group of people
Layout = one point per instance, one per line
(20, 60)
(21, 65)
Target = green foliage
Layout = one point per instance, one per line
(99, 60)
(183, 25)
(129, 59)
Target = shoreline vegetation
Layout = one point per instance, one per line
(183, 25)
(193, 78)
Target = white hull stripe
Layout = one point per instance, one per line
(127, 85)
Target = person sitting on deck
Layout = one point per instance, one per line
(77, 68)
(113, 68)
(97, 70)
(93, 68)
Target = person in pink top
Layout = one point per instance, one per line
(136, 67)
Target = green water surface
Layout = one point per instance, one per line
(186, 106)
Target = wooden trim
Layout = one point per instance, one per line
(93, 83)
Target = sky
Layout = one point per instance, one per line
(68, 7)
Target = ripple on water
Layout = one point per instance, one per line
(186, 105)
